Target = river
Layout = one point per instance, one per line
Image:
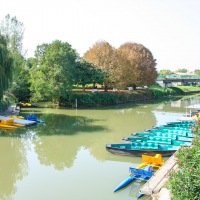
(66, 157)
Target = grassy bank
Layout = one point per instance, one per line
(101, 98)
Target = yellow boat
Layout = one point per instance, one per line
(9, 123)
(16, 116)
(4, 126)
(154, 161)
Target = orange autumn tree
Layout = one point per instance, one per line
(102, 55)
(136, 65)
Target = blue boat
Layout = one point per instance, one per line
(34, 118)
(140, 174)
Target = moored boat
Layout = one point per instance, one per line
(34, 118)
(187, 125)
(178, 132)
(171, 139)
(169, 130)
(158, 133)
(188, 122)
(172, 128)
(26, 105)
(154, 161)
(144, 174)
(139, 148)
(9, 124)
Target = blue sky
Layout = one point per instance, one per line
(170, 29)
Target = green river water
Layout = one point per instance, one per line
(66, 157)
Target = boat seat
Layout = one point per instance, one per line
(152, 146)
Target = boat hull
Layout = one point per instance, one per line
(125, 183)
(135, 152)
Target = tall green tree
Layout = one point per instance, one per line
(13, 30)
(51, 74)
(21, 84)
(6, 65)
(86, 73)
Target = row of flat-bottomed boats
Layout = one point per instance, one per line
(164, 140)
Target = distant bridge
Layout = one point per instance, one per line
(175, 79)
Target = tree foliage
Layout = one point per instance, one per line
(13, 31)
(21, 83)
(137, 65)
(102, 55)
(185, 183)
(51, 74)
(86, 73)
(183, 70)
(165, 72)
(130, 65)
(6, 65)
(197, 71)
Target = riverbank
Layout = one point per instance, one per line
(99, 97)
(10, 111)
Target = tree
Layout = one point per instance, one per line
(51, 74)
(165, 72)
(136, 65)
(13, 31)
(182, 70)
(6, 65)
(86, 73)
(102, 55)
(21, 84)
(197, 71)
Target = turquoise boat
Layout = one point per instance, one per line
(160, 140)
(140, 148)
(190, 122)
(157, 137)
(187, 125)
(162, 133)
(178, 132)
(172, 128)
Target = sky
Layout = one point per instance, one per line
(170, 29)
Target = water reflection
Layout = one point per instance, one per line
(59, 152)
(70, 150)
(13, 165)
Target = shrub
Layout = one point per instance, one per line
(185, 183)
